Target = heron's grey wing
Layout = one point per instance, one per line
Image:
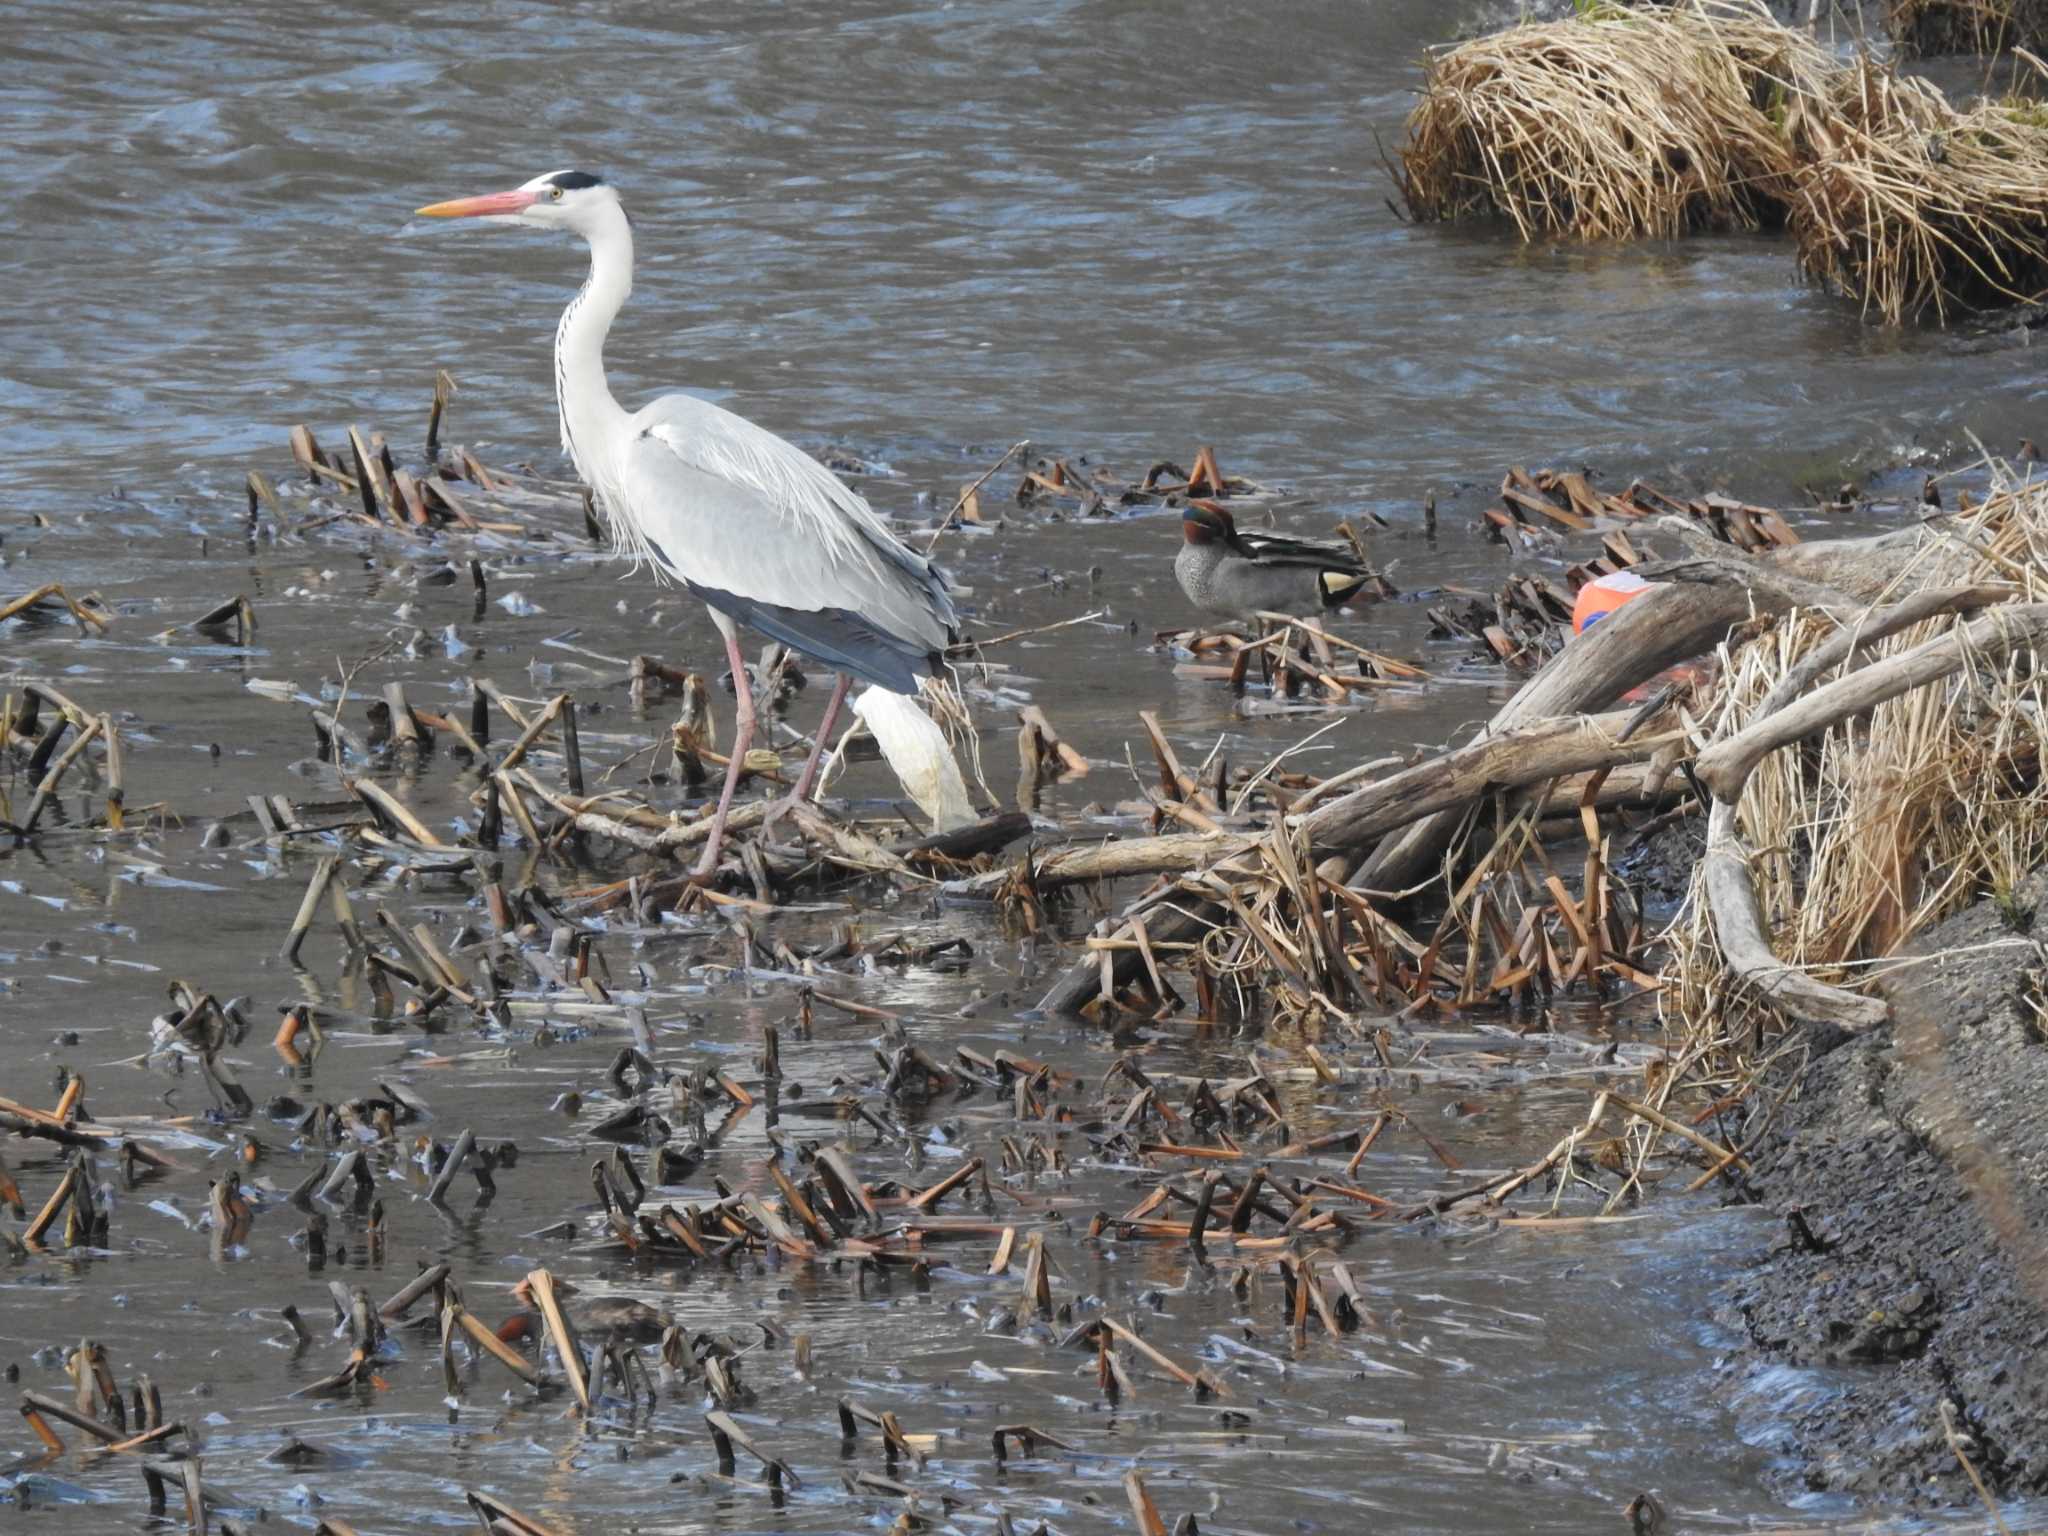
(763, 532)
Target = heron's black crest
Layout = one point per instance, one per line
(574, 181)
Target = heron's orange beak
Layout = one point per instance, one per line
(500, 203)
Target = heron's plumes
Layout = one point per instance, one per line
(731, 508)
(629, 539)
(916, 750)
(807, 502)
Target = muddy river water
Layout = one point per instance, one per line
(916, 235)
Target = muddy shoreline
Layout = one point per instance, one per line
(1907, 1271)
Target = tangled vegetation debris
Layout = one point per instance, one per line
(1918, 789)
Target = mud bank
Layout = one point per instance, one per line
(1911, 1269)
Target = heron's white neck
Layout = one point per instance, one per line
(591, 419)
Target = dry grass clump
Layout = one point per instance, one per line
(1624, 124)
(1616, 124)
(1930, 27)
(1912, 206)
(1882, 826)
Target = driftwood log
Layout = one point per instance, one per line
(1639, 784)
(1396, 829)
(1666, 626)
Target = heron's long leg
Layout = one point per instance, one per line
(809, 778)
(742, 738)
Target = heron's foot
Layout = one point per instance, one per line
(706, 872)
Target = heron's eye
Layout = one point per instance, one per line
(555, 194)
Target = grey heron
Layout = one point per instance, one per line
(759, 530)
(1239, 575)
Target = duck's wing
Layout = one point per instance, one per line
(1279, 551)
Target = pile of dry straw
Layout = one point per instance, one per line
(1711, 114)
(1865, 834)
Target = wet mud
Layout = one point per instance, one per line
(1901, 1310)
